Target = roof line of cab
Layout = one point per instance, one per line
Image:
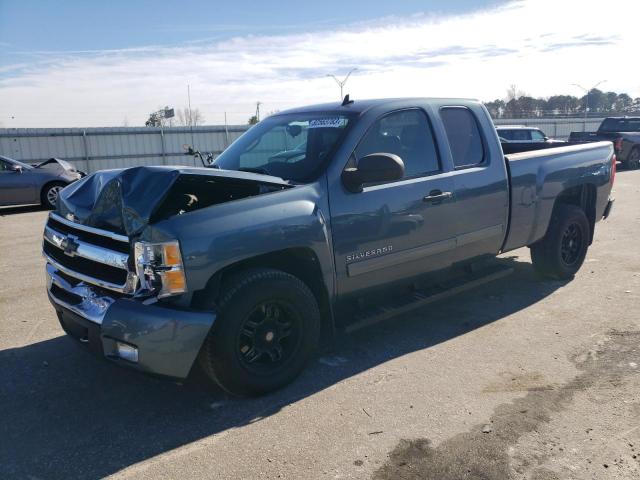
(362, 106)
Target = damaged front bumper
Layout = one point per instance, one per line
(153, 338)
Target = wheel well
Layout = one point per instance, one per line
(299, 262)
(583, 196)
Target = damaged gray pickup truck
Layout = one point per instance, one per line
(317, 220)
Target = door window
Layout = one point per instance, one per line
(407, 134)
(537, 136)
(519, 135)
(464, 137)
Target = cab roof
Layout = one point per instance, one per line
(361, 106)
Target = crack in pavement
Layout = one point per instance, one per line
(484, 452)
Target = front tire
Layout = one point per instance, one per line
(562, 251)
(267, 330)
(49, 194)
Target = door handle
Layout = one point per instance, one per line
(437, 196)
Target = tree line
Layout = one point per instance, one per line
(518, 104)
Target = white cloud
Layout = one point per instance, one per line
(542, 46)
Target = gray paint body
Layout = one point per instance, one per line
(404, 236)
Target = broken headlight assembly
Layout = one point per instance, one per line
(160, 269)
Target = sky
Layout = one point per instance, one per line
(87, 63)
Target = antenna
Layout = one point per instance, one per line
(346, 101)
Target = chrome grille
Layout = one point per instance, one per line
(89, 254)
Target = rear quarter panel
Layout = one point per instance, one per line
(537, 178)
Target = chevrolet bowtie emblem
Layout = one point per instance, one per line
(70, 245)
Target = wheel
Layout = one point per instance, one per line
(562, 251)
(633, 160)
(49, 195)
(267, 329)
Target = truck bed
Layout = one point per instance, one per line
(536, 179)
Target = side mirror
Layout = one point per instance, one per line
(374, 168)
(16, 169)
(546, 139)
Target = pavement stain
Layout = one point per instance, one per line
(485, 456)
(518, 382)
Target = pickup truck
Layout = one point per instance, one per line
(624, 132)
(245, 267)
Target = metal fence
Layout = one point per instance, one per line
(91, 149)
(554, 128)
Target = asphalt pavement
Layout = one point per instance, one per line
(522, 378)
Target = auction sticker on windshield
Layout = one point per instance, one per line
(337, 122)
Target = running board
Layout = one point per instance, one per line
(420, 298)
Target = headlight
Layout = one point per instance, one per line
(160, 269)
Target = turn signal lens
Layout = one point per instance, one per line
(172, 254)
(173, 282)
(160, 269)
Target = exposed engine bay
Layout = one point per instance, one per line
(193, 192)
(125, 201)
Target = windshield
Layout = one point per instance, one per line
(620, 125)
(294, 147)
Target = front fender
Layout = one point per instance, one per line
(216, 237)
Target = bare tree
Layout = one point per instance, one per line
(187, 119)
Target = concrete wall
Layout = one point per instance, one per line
(92, 149)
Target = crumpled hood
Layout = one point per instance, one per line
(124, 200)
(60, 166)
(57, 161)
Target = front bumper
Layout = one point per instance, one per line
(167, 339)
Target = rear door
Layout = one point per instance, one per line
(399, 229)
(480, 181)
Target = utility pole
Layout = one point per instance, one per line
(190, 115)
(226, 131)
(586, 98)
(258, 110)
(342, 83)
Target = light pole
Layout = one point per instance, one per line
(342, 83)
(586, 101)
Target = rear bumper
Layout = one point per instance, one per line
(167, 340)
(607, 209)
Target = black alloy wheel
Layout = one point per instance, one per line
(571, 244)
(269, 336)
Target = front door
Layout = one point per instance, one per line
(400, 229)
(16, 187)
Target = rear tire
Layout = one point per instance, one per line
(49, 194)
(267, 329)
(562, 251)
(633, 160)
